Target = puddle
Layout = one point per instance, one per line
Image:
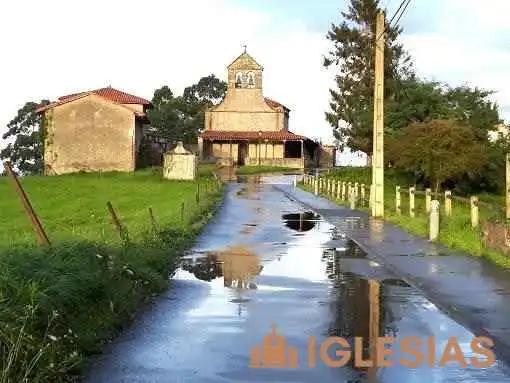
(237, 266)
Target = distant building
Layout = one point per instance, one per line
(349, 158)
(501, 131)
(247, 128)
(98, 130)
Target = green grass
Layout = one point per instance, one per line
(246, 170)
(455, 230)
(60, 305)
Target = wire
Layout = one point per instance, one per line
(404, 4)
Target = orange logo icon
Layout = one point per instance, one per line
(274, 353)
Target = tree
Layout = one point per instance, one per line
(182, 117)
(26, 152)
(353, 55)
(440, 150)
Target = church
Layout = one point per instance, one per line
(247, 128)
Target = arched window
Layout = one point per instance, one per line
(251, 80)
(239, 80)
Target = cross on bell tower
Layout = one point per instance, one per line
(244, 46)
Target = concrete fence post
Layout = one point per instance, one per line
(474, 211)
(349, 189)
(330, 186)
(412, 190)
(434, 220)
(352, 199)
(316, 185)
(356, 189)
(338, 189)
(448, 203)
(397, 200)
(294, 182)
(344, 191)
(428, 199)
(362, 187)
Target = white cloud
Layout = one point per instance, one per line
(65, 47)
(467, 43)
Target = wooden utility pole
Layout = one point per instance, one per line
(378, 145)
(508, 186)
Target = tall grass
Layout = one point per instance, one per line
(60, 305)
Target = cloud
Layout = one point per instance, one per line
(464, 42)
(65, 47)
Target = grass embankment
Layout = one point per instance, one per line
(62, 304)
(455, 230)
(246, 170)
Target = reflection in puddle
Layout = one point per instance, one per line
(357, 304)
(300, 221)
(237, 265)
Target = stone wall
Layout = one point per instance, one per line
(497, 237)
(90, 134)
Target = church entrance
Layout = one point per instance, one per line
(242, 152)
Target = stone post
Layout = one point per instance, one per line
(428, 199)
(349, 189)
(448, 203)
(411, 201)
(338, 189)
(352, 199)
(434, 220)
(362, 187)
(316, 185)
(397, 200)
(474, 211)
(356, 189)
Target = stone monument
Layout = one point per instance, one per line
(180, 164)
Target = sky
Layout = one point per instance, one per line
(52, 48)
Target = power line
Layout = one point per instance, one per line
(403, 11)
(404, 4)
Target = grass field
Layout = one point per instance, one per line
(455, 230)
(59, 305)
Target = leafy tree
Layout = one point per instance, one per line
(27, 149)
(440, 150)
(182, 117)
(353, 56)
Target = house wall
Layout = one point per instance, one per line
(90, 134)
(137, 107)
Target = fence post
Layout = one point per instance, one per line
(448, 202)
(338, 189)
(349, 189)
(352, 199)
(434, 220)
(474, 211)
(362, 187)
(344, 190)
(397, 200)
(116, 220)
(411, 201)
(428, 199)
(316, 185)
(36, 223)
(356, 189)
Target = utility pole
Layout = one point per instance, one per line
(508, 186)
(378, 144)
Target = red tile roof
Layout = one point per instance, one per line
(236, 135)
(275, 104)
(110, 94)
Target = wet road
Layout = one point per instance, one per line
(265, 264)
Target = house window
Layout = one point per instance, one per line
(251, 80)
(239, 80)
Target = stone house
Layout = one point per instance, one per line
(98, 130)
(247, 128)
